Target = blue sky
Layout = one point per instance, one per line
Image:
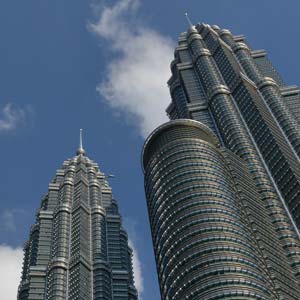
(102, 66)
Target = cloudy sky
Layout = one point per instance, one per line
(103, 66)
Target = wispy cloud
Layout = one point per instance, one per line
(10, 271)
(137, 270)
(8, 219)
(136, 80)
(11, 116)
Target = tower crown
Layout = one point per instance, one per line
(80, 248)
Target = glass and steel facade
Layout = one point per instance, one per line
(77, 248)
(222, 179)
(217, 79)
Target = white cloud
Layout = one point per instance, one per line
(11, 116)
(136, 79)
(137, 270)
(10, 271)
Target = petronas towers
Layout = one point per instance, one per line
(77, 247)
(222, 182)
(222, 178)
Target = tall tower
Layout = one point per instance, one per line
(222, 179)
(215, 73)
(77, 247)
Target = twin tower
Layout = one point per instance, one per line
(222, 182)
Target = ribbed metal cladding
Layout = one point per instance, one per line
(236, 138)
(244, 106)
(203, 245)
(78, 244)
(267, 104)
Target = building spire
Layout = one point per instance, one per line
(80, 149)
(188, 19)
(80, 139)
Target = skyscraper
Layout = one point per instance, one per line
(77, 247)
(222, 179)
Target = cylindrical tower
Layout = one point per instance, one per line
(204, 248)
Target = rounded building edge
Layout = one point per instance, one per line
(208, 135)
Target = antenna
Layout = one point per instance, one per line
(188, 19)
(80, 149)
(80, 139)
